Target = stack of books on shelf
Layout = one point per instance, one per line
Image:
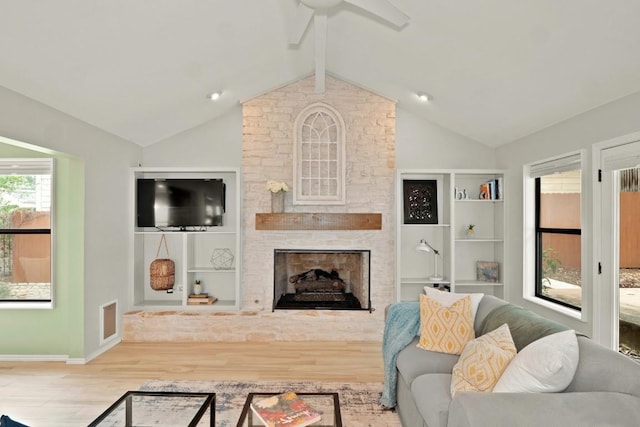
(201, 299)
(491, 190)
(285, 409)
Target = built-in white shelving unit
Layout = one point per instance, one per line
(191, 249)
(459, 253)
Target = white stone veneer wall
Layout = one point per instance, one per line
(267, 154)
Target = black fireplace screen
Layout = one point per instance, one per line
(322, 279)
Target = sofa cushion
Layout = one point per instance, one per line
(601, 369)
(6, 421)
(431, 394)
(486, 306)
(445, 329)
(544, 366)
(448, 298)
(413, 362)
(544, 409)
(525, 326)
(483, 361)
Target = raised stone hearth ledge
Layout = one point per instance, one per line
(251, 325)
(318, 221)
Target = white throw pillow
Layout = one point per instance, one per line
(446, 299)
(546, 365)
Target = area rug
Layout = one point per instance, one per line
(359, 402)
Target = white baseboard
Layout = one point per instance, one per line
(33, 358)
(108, 345)
(60, 357)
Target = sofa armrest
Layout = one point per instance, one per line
(539, 409)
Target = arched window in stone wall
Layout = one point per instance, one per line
(319, 156)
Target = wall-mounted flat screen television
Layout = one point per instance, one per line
(179, 202)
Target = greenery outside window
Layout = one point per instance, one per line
(554, 242)
(26, 230)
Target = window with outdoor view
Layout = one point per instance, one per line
(558, 237)
(25, 230)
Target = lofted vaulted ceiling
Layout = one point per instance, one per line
(497, 69)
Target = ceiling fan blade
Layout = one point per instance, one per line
(383, 9)
(300, 23)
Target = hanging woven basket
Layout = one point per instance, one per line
(162, 270)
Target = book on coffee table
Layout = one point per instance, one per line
(285, 410)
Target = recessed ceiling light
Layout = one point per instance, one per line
(215, 95)
(424, 97)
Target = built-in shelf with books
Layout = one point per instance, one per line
(479, 255)
(209, 255)
(466, 262)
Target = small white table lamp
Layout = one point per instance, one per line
(423, 246)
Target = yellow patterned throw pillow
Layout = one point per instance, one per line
(483, 361)
(445, 329)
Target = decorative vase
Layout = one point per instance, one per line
(197, 288)
(277, 202)
(470, 233)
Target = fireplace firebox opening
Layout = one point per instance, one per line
(308, 279)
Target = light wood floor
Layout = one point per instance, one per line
(54, 394)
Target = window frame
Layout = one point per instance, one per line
(33, 166)
(299, 198)
(531, 269)
(539, 231)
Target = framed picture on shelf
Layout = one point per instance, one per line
(420, 199)
(488, 271)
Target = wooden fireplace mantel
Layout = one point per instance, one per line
(318, 221)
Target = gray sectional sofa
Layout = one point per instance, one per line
(605, 390)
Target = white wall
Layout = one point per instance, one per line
(580, 132)
(107, 235)
(424, 145)
(215, 143)
(106, 160)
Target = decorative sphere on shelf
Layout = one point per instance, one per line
(222, 259)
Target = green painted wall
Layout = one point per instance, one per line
(57, 331)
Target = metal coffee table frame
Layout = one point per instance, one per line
(210, 402)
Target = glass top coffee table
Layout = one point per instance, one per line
(158, 408)
(327, 404)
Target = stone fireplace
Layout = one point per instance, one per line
(321, 279)
(267, 154)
